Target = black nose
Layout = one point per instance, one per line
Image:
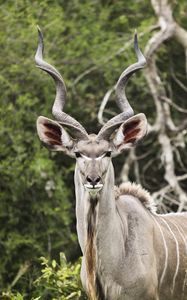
(93, 180)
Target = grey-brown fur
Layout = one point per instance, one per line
(127, 226)
(143, 245)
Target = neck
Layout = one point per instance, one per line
(98, 228)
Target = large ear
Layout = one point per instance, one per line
(130, 132)
(53, 135)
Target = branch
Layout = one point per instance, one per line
(102, 106)
(167, 188)
(22, 270)
(170, 102)
(164, 121)
(178, 81)
(180, 34)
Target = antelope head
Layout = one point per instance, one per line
(92, 152)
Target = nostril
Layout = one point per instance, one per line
(89, 179)
(93, 180)
(97, 179)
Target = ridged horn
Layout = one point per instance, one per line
(60, 99)
(122, 100)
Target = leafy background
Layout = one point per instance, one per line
(90, 42)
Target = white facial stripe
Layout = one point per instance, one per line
(97, 186)
(100, 157)
(89, 158)
(86, 157)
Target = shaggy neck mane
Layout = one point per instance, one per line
(136, 190)
(94, 285)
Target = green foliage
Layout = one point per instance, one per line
(59, 282)
(11, 296)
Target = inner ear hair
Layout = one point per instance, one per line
(135, 129)
(50, 133)
(54, 133)
(131, 131)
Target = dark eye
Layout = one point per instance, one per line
(108, 153)
(77, 154)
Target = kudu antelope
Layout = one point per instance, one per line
(129, 251)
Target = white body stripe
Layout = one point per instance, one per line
(185, 243)
(166, 251)
(177, 253)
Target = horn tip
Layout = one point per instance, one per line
(39, 32)
(135, 38)
(40, 49)
(38, 27)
